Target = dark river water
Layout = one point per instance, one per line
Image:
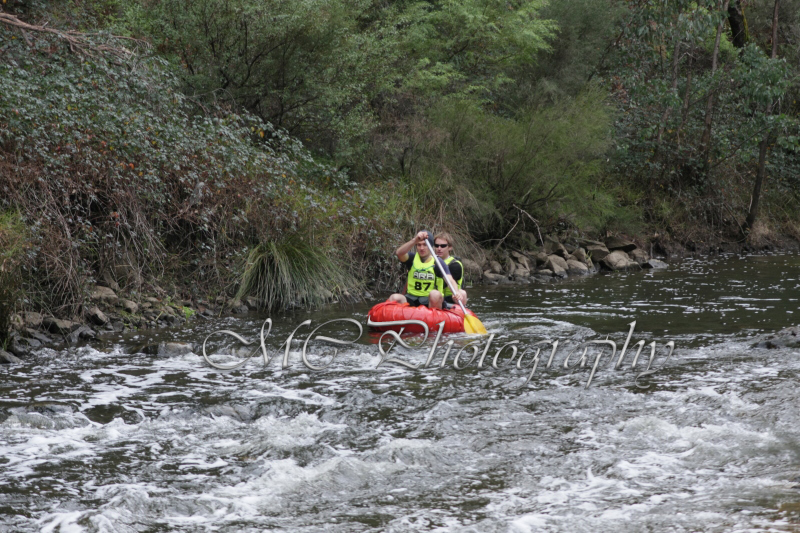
(105, 438)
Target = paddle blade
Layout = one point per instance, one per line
(473, 325)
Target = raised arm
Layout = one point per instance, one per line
(402, 251)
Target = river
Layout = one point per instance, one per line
(106, 438)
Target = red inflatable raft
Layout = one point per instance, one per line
(393, 311)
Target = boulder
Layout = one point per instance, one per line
(544, 272)
(96, 316)
(554, 247)
(655, 263)
(524, 260)
(639, 255)
(576, 268)
(556, 261)
(37, 335)
(472, 270)
(598, 252)
(491, 276)
(62, 327)
(580, 255)
(129, 306)
(585, 243)
(83, 332)
(238, 307)
(510, 267)
(166, 349)
(785, 338)
(6, 358)
(31, 319)
(255, 303)
(618, 243)
(557, 265)
(496, 267)
(21, 346)
(104, 294)
(173, 349)
(540, 258)
(522, 272)
(619, 260)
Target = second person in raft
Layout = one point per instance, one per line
(443, 244)
(424, 276)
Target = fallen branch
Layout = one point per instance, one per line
(497, 246)
(78, 42)
(535, 222)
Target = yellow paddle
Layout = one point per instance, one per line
(471, 323)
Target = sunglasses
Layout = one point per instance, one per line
(441, 245)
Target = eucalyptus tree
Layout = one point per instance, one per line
(696, 103)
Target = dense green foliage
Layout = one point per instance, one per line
(120, 177)
(689, 136)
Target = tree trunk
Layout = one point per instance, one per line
(675, 63)
(738, 24)
(705, 140)
(775, 29)
(762, 149)
(685, 106)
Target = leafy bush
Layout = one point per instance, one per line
(543, 164)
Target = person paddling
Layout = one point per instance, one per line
(443, 244)
(424, 276)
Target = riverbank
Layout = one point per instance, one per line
(116, 311)
(112, 310)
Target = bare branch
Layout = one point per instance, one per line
(78, 42)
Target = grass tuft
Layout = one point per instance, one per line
(291, 272)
